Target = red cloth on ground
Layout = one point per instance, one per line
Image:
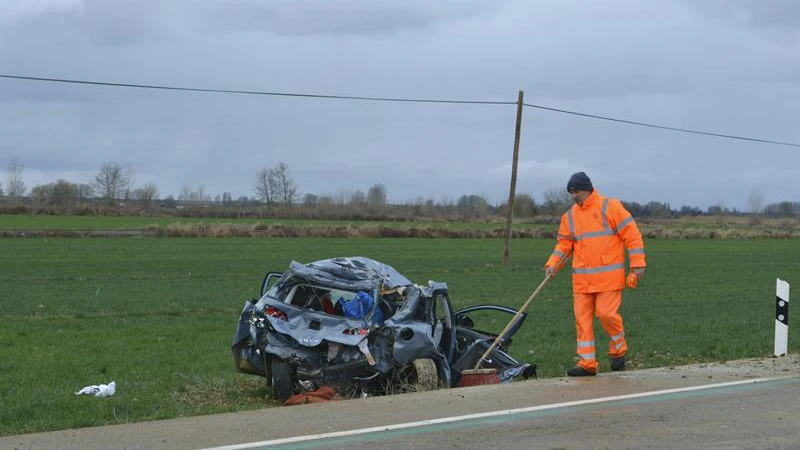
(323, 394)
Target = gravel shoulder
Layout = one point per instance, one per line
(744, 368)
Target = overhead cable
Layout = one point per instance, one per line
(234, 91)
(662, 127)
(392, 99)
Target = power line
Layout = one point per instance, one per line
(662, 127)
(391, 99)
(277, 94)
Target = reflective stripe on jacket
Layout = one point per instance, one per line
(596, 234)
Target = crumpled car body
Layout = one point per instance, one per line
(358, 322)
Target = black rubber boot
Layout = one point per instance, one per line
(579, 371)
(618, 364)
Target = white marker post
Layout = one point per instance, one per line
(781, 317)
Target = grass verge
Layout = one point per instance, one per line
(158, 315)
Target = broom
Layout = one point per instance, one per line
(477, 376)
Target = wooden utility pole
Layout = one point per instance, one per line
(511, 194)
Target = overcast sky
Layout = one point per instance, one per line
(723, 66)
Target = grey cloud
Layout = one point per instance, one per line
(770, 14)
(342, 17)
(96, 22)
(19, 10)
(129, 22)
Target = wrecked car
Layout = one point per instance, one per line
(357, 322)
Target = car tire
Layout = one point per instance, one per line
(267, 371)
(427, 377)
(282, 377)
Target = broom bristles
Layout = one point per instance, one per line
(479, 377)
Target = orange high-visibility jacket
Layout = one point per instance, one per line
(596, 235)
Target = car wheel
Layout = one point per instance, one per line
(267, 370)
(282, 375)
(427, 378)
(419, 375)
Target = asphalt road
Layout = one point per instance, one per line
(752, 404)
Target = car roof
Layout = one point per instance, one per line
(352, 273)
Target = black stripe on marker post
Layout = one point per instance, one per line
(782, 311)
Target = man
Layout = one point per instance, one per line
(595, 231)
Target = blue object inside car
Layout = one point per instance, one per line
(360, 306)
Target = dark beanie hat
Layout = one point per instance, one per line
(579, 181)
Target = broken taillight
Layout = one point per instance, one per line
(276, 313)
(355, 331)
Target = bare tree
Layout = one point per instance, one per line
(310, 199)
(376, 195)
(60, 194)
(423, 206)
(327, 205)
(719, 209)
(342, 196)
(84, 191)
(287, 189)
(190, 194)
(524, 205)
(64, 193)
(755, 202)
(146, 194)
(473, 206)
(15, 183)
(358, 198)
(169, 202)
(110, 183)
(557, 201)
(186, 192)
(199, 194)
(265, 186)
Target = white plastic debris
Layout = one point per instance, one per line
(99, 390)
(362, 345)
(333, 350)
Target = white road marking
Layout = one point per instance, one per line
(505, 412)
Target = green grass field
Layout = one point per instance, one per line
(157, 315)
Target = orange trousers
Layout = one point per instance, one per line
(604, 305)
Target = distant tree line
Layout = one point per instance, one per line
(275, 194)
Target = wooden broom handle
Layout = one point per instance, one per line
(519, 313)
